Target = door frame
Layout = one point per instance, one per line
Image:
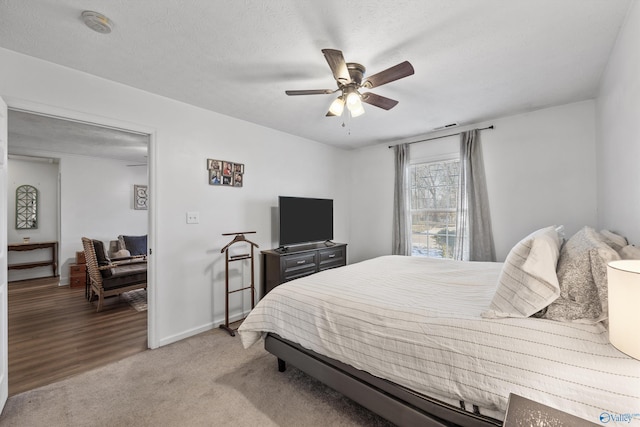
(18, 104)
(4, 277)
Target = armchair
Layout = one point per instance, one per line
(112, 277)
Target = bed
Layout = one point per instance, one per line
(422, 341)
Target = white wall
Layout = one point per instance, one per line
(371, 202)
(44, 177)
(540, 170)
(97, 202)
(618, 141)
(188, 287)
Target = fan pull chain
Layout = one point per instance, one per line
(346, 121)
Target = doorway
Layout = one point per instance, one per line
(78, 142)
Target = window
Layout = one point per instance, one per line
(434, 197)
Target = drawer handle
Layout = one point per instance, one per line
(332, 256)
(301, 262)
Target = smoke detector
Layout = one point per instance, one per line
(97, 22)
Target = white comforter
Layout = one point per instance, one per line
(416, 322)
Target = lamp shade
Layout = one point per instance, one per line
(623, 279)
(354, 104)
(337, 106)
(357, 110)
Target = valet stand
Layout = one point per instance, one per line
(239, 238)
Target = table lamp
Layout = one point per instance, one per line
(624, 306)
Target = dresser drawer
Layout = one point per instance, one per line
(77, 282)
(77, 269)
(285, 264)
(295, 266)
(332, 257)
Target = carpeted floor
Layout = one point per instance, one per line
(206, 380)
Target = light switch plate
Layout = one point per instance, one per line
(193, 217)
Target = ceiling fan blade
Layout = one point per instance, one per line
(330, 114)
(338, 65)
(310, 92)
(379, 101)
(396, 72)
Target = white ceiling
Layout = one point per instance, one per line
(38, 135)
(474, 60)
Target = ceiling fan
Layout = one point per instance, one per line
(349, 77)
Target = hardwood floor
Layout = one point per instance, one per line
(54, 333)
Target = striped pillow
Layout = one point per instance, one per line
(528, 281)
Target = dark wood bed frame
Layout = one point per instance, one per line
(395, 403)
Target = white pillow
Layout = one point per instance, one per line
(616, 241)
(630, 252)
(528, 281)
(122, 253)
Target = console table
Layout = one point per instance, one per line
(282, 265)
(20, 247)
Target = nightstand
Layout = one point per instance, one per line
(77, 275)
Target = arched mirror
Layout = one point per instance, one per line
(26, 207)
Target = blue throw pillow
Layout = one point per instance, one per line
(136, 245)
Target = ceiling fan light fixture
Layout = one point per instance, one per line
(337, 106)
(353, 99)
(354, 104)
(357, 110)
(349, 78)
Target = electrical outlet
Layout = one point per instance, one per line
(193, 217)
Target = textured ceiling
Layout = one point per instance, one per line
(474, 60)
(33, 134)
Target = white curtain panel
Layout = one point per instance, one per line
(401, 202)
(474, 237)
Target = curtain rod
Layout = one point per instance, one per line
(438, 137)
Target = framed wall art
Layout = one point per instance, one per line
(223, 172)
(140, 197)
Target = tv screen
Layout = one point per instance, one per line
(305, 220)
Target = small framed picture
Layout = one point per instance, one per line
(213, 164)
(227, 168)
(223, 172)
(140, 197)
(214, 177)
(237, 180)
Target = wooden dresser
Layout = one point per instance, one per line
(280, 266)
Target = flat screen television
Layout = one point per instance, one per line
(305, 220)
